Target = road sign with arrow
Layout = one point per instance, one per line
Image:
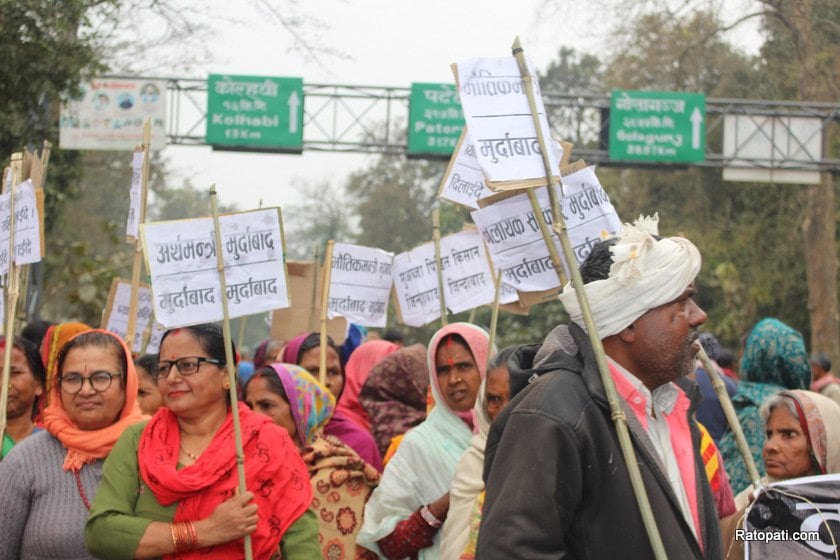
(255, 113)
(657, 126)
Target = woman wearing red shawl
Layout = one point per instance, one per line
(183, 462)
(305, 351)
(49, 479)
(358, 368)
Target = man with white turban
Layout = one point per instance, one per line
(557, 484)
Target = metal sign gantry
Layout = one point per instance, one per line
(373, 119)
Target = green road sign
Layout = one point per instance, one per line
(258, 112)
(657, 126)
(435, 119)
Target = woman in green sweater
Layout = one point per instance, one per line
(169, 487)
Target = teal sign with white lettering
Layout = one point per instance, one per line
(257, 112)
(657, 126)
(435, 119)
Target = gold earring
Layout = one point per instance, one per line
(226, 385)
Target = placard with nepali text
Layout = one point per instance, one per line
(117, 315)
(27, 227)
(135, 194)
(467, 278)
(181, 256)
(360, 284)
(512, 232)
(500, 124)
(463, 181)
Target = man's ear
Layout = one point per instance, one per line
(628, 334)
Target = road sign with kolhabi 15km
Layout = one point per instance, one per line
(435, 119)
(257, 113)
(660, 126)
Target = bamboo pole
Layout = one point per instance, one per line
(731, 417)
(494, 317)
(229, 359)
(438, 265)
(46, 148)
(12, 293)
(131, 329)
(325, 302)
(314, 300)
(598, 349)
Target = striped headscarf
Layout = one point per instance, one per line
(311, 403)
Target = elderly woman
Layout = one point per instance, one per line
(774, 359)
(305, 351)
(50, 479)
(803, 439)
(170, 487)
(340, 479)
(394, 394)
(27, 383)
(404, 515)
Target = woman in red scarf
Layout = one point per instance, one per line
(49, 479)
(170, 486)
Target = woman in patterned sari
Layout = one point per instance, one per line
(341, 480)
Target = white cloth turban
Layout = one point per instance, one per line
(645, 273)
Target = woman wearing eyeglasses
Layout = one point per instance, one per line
(49, 481)
(169, 487)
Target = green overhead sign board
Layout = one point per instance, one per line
(435, 119)
(657, 126)
(258, 112)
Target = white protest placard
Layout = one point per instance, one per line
(416, 285)
(360, 284)
(500, 123)
(181, 256)
(155, 335)
(117, 316)
(135, 193)
(513, 235)
(109, 114)
(463, 181)
(467, 278)
(27, 227)
(467, 275)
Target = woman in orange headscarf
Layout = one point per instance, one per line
(50, 479)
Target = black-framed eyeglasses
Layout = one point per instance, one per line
(188, 365)
(99, 381)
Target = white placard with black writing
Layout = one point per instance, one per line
(155, 335)
(463, 182)
(360, 284)
(117, 317)
(185, 280)
(135, 194)
(467, 278)
(27, 226)
(513, 236)
(499, 120)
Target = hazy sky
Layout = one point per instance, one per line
(386, 43)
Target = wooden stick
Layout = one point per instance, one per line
(241, 338)
(314, 301)
(138, 247)
(16, 168)
(438, 266)
(600, 357)
(229, 359)
(325, 302)
(731, 417)
(494, 317)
